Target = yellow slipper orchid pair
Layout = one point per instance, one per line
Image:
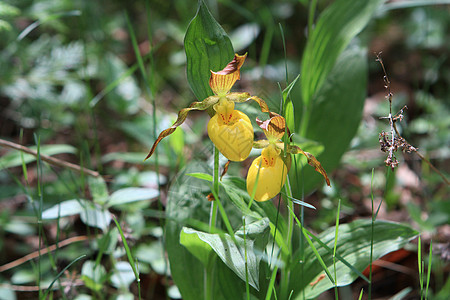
(232, 133)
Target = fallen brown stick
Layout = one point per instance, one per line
(42, 251)
(49, 159)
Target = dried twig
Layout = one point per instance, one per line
(392, 141)
(49, 159)
(35, 288)
(42, 251)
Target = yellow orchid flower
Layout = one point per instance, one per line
(267, 173)
(272, 174)
(229, 129)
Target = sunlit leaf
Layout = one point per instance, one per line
(65, 209)
(96, 216)
(336, 114)
(122, 275)
(353, 245)
(207, 48)
(94, 275)
(335, 28)
(98, 189)
(238, 253)
(132, 194)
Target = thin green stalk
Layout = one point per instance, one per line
(291, 219)
(59, 275)
(371, 237)
(270, 288)
(314, 249)
(150, 89)
(224, 216)
(131, 260)
(285, 55)
(208, 272)
(419, 262)
(247, 286)
(336, 294)
(286, 271)
(39, 213)
(429, 269)
(361, 294)
(24, 165)
(214, 205)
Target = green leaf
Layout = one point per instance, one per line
(187, 203)
(95, 216)
(7, 10)
(235, 187)
(201, 176)
(335, 28)
(186, 200)
(65, 209)
(353, 245)
(336, 114)
(207, 48)
(98, 189)
(13, 159)
(122, 276)
(93, 275)
(152, 254)
(192, 241)
(232, 251)
(132, 194)
(288, 106)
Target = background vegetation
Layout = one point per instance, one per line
(72, 87)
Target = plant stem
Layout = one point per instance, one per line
(214, 205)
(208, 273)
(374, 217)
(286, 259)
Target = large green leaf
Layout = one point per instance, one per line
(207, 48)
(336, 114)
(187, 206)
(186, 200)
(353, 245)
(334, 30)
(238, 254)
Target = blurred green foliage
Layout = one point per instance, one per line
(69, 76)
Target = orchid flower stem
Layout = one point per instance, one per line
(214, 206)
(208, 273)
(286, 270)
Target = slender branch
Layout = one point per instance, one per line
(42, 251)
(49, 159)
(35, 288)
(433, 167)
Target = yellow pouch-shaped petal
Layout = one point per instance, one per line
(272, 176)
(233, 138)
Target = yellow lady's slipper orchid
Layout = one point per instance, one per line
(267, 173)
(229, 129)
(272, 174)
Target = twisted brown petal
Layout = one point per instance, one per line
(182, 115)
